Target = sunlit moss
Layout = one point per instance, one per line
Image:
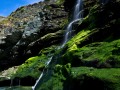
(32, 67)
(80, 37)
(60, 2)
(99, 54)
(74, 47)
(105, 79)
(56, 82)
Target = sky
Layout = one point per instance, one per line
(8, 6)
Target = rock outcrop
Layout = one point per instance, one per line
(25, 33)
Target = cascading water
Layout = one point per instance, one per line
(78, 8)
(33, 87)
(37, 81)
(77, 16)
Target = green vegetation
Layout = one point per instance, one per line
(81, 36)
(56, 82)
(104, 79)
(48, 50)
(99, 54)
(60, 2)
(32, 67)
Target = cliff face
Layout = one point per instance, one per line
(30, 29)
(90, 60)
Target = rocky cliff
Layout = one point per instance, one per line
(30, 29)
(89, 60)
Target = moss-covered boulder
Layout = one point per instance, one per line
(86, 78)
(99, 54)
(26, 73)
(57, 79)
(32, 67)
(66, 77)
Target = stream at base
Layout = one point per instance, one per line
(16, 88)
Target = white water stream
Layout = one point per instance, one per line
(77, 15)
(33, 87)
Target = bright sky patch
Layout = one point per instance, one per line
(8, 6)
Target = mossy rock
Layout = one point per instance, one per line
(49, 50)
(32, 67)
(56, 81)
(85, 78)
(80, 37)
(104, 19)
(8, 74)
(99, 54)
(60, 2)
(67, 78)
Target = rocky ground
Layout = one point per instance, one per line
(90, 60)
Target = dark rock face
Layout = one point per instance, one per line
(104, 1)
(30, 30)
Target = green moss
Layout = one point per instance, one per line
(60, 2)
(103, 79)
(56, 82)
(99, 54)
(74, 47)
(80, 77)
(80, 37)
(52, 84)
(32, 67)
(49, 50)
(106, 53)
(62, 70)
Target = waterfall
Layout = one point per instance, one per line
(78, 8)
(33, 87)
(41, 75)
(77, 16)
(11, 83)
